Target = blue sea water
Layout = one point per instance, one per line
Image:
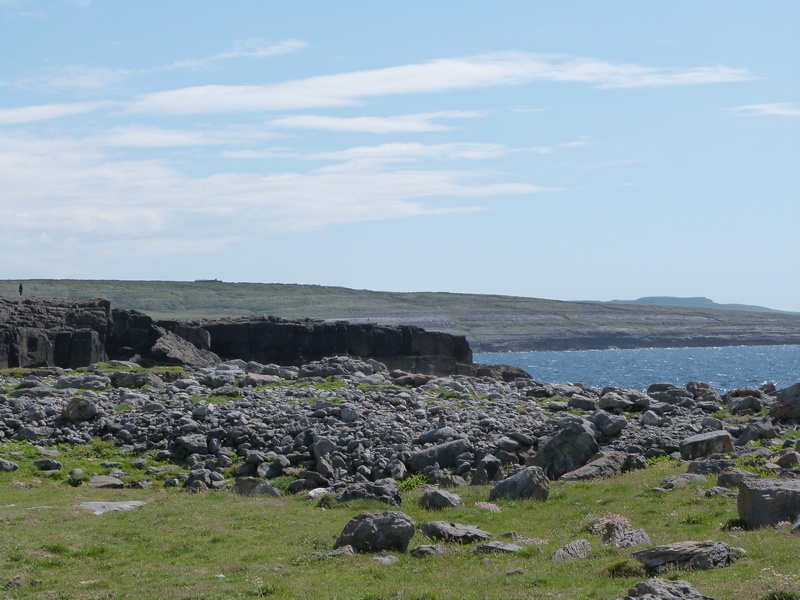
(724, 368)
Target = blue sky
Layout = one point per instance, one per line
(566, 150)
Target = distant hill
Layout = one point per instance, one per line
(698, 302)
(491, 323)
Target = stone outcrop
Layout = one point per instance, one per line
(787, 405)
(688, 555)
(270, 340)
(705, 444)
(454, 532)
(53, 332)
(575, 550)
(389, 530)
(662, 589)
(768, 501)
(39, 332)
(530, 482)
(572, 447)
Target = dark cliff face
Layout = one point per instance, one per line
(37, 332)
(53, 331)
(270, 340)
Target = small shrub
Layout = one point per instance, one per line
(281, 482)
(327, 501)
(693, 520)
(626, 568)
(412, 482)
(56, 548)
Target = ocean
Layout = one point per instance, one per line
(724, 368)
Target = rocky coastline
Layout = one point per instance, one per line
(54, 332)
(342, 422)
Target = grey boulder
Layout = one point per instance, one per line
(253, 486)
(530, 482)
(439, 499)
(768, 501)
(787, 404)
(569, 449)
(454, 532)
(705, 444)
(389, 530)
(605, 464)
(661, 589)
(575, 550)
(688, 555)
(383, 490)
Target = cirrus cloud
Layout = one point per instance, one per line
(440, 75)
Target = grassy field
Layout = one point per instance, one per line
(490, 322)
(220, 545)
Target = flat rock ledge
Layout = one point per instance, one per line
(100, 508)
(661, 589)
(688, 555)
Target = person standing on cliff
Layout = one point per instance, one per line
(20, 289)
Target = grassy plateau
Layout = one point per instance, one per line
(491, 323)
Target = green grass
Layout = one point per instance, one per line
(88, 457)
(178, 543)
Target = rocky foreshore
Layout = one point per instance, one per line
(354, 426)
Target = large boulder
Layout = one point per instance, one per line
(605, 464)
(530, 482)
(662, 589)
(383, 490)
(389, 530)
(6, 466)
(569, 449)
(787, 404)
(439, 499)
(768, 501)
(254, 486)
(621, 535)
(488, 470)
(171, 349)
(575, 550)
(687, 555)
(79, 408)
(444, 454)
(705, 444)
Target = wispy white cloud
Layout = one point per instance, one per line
(80, 77)
(416, 151)
(773, 109)
(253, 48)
(421, 122)
(441, 75)
(141, 136)
(71, 194)
(403, 152)
(90, 77)
(45, 112)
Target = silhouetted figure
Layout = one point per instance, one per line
(20, 289)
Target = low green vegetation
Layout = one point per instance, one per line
(219, 545)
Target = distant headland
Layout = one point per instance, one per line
(490, 323)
